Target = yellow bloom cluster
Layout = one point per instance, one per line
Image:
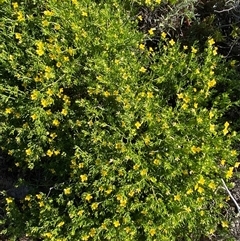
(40, 48)
(225, 130)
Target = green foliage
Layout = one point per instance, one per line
(132, 138)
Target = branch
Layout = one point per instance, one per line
(235, 202)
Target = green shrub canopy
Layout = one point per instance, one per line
(130, 140)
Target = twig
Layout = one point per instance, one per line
(235, 202)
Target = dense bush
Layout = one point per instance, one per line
(132, 140)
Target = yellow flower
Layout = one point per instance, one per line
(48, 13)
(184, 106)
(80, 212)
(56, 122)
(41, 204)
(221, 205)
(149, 95)
(45, 23)
(140, 17)
(84, 178)
(211, 231)
(200, 190)
(152, 231)
(229, 173)
(94, 206)
(75, 2)
(212, 185)
(9, 200)
(189, 191)
(64, 112)
(81, 165)
(49, 92)
(116, 223)
(49, 73)
(40, 52)
(201, 180)
(150, 49)
(27, 198)
(92, 232)
(58, 64)
(131, 193)
(49, 153)
(34, 116)
(108, 191)
(123, 202)
(226, 125)
(202, 212)
(84, 14)
(224, 224)
(39, 196)
(223, 162)
(211, 114)
(127, 230)
(44, 102)
(66, 100)
(234, 153)
(60, 224)
(215, 51)
(163, 35)
(106, 93)
(34, 95)
(18, 36)
(88, 197)
(180, 96)
(211, 42)
(199, 120)
(151, 31)
(212, 128)
(48, 235)
(156, 162)
(212, 83)
(195, 105)
(57, 26)
(141, 46)
(177, 197)
(8, 110)
(225, 131)
(40, 48)
(138, 124)
(195, 149)
(186, 99)
(67, 191)
(28, 152)
(136, 167)
(144, 172)
(187, 209)
(172, 42)
(194, 51)
(237, 164)
(142, 69)
(20, 17)
(85, 237)
(66, 58)
(15, 5)
(48, 112)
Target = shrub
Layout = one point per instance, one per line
(131, 140)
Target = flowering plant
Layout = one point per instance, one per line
(130, 140)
